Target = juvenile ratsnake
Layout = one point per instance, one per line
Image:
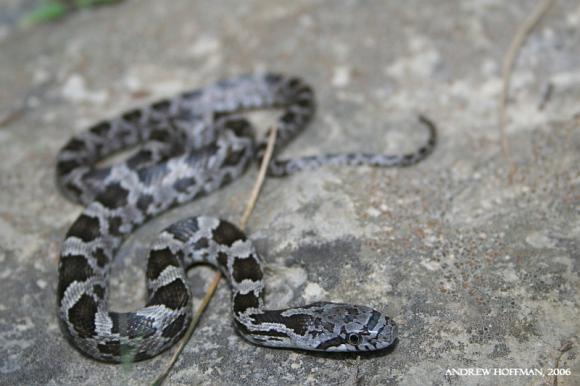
(189, 146)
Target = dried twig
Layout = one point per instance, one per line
(11, 116)
(566, 346)
(213, 286)
(522, 33)
(260, 179)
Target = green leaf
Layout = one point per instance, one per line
(91, 3)
(48, 11)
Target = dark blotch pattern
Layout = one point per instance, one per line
(160, 259)
(162, 106)
(85, 228)
(174, 328)
(141, 158)
(114, 196)
(75, 268)
(202, 243)
(115, 226)
(247, 269)
(143, 202)
(132, 116)
(294, 82)
(243, 302)
(227, 178)
(288, 117)
(75, 145)
(71, 187)
(101, 256)
(173, 295)
(233, 158)
(65, 167)
(226, 233)
(82, 316)
(161, 135)
(241, 127)
(304, 102)
(101, 129)
(99, 291)
(297, 323)
(222, 260)
(110, 348)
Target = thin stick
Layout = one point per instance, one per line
(213, 286)
(11, 117)
(521, 35)
(260, 179)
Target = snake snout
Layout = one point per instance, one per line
(387, 333)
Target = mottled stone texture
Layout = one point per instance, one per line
(477, 271)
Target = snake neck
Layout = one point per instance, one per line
(273, 328)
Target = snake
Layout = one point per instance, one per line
(185, 147)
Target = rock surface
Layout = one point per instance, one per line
(477, 271)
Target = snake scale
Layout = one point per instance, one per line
(189, 146)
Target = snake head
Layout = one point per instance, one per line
(329, 327)
(350, 328)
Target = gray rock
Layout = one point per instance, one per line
(478, 272)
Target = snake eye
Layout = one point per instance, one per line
(353, 339)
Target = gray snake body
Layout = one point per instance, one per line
(190, 146)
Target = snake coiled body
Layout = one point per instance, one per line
(189, 146)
